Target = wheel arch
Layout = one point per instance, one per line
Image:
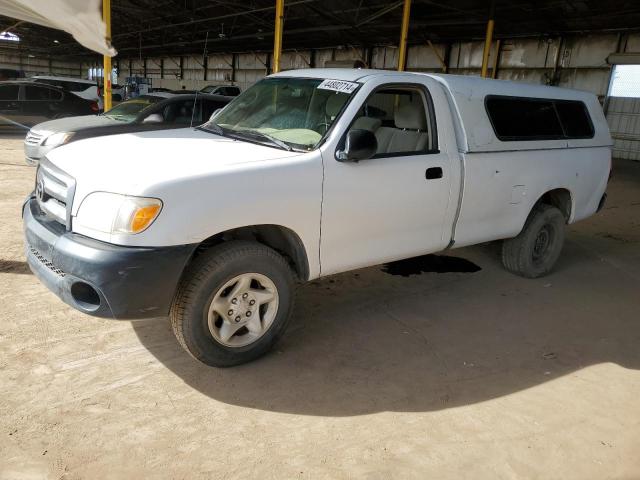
(561, 198)
(282, 239)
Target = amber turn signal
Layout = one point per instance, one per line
(143, 217)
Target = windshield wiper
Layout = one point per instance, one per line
(265, 136)
(212, 127)
(218, 130)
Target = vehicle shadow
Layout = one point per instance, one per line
(14, 266)
(367, 341)
(11, 132)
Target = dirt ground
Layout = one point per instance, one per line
(429, 376)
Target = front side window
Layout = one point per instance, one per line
(32, 92)
(290, 113)
(515, 118)
(9, 92)
(400, 119)
(209, 107)
(182, 112)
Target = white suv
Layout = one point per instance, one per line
(87, 89)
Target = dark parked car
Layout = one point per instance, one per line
(159, 111)
(183, 92)
(227, 90)
(26, 103)
(159, 89)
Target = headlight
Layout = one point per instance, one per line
(114, 213)
(58, 139)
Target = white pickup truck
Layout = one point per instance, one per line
(306, 174)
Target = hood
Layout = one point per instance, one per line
(134, 163)
(73, 124)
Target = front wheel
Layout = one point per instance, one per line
(534, 252)
(233, 303)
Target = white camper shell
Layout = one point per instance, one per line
(306, 174)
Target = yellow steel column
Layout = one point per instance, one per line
(404, 32)
(488, 41)
(496, 60)
(106, 17)
(277, 37)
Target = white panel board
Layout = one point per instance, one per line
(623, 116)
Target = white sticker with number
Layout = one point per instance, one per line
(338, 86)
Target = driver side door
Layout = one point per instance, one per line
(394, 204)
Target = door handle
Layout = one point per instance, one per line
(433, 173)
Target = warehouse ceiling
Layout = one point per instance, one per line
(143, 28)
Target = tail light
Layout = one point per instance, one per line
(94, 107)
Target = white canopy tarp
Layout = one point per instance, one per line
(80, 18)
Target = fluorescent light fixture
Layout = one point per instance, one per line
(9, 37)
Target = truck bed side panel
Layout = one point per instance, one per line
(502, 187)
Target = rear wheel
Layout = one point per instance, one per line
(233, 304)
(534, 252)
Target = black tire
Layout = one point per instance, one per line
(206, 276)
(534, 252)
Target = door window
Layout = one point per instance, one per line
(401, 120)
(66, 84)
(34, 93)
(181, 113)
(209, 107)
(9, 92)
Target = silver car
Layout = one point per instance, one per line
(157, 111)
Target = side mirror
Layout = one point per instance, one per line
(154, 118)
(359, 145)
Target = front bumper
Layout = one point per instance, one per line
(98, 278)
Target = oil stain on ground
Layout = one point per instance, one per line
(430, 263)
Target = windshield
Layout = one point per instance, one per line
(291, 113)
(127, 111)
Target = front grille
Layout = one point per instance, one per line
(46, 263)
(34, 138)
(54, 192)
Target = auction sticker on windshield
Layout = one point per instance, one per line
(338, 86)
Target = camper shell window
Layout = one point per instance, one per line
(518, 118)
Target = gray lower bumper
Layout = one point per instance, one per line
(98, 278)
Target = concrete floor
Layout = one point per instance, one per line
(452, 375)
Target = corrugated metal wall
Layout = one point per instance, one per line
(623, 115)
(573, 62)
(32, 65)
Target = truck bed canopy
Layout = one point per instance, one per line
(477, 133)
